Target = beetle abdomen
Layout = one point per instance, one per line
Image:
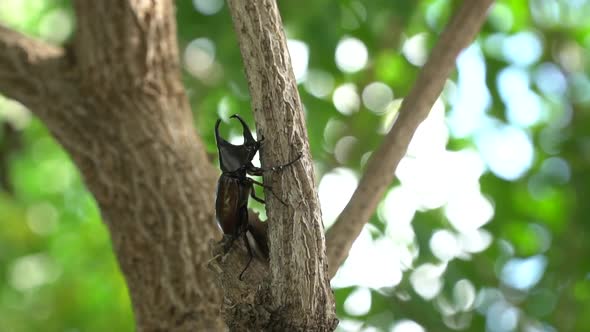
(231, 205)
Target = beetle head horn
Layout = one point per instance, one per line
(220, 140)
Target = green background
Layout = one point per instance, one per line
(57, 269)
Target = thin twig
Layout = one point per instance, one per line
(415, 108)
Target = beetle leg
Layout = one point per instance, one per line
(253, 195)
(259, 170)
(253, 170)
(269, 188)
(280, 167)
(228, 242)
(250, 254)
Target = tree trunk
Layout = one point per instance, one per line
(117, 105)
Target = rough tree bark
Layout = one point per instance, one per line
(116, 103)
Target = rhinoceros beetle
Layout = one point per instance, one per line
(234, 187)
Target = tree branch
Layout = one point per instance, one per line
(30, 70)
(415, 108)
(300, 294)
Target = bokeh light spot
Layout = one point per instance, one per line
(407, 326)
(571, 57)
(474, 241)
(507, 150)
(357, 270)
(469, 211)
(524, 107)
(56, 26)
(414, 49)
(557, 169)
(358, 303)
(299, 52)
(344, 148)
(550, 79)
(501, 17)
(473, 97)
(523, 48)
(346, 99)
(208, 7)
(426, 280)
(464, 295)
(443, 245)
(199, 58)
(15, 113)
(524, 273)
(319, 83)
(335, 190)
(33, 271)
(42, 218)
(376, 96)
(351, 55)
(502, 317)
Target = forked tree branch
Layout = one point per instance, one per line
(31, 71)
(379, 172)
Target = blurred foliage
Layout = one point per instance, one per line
(57, 269)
